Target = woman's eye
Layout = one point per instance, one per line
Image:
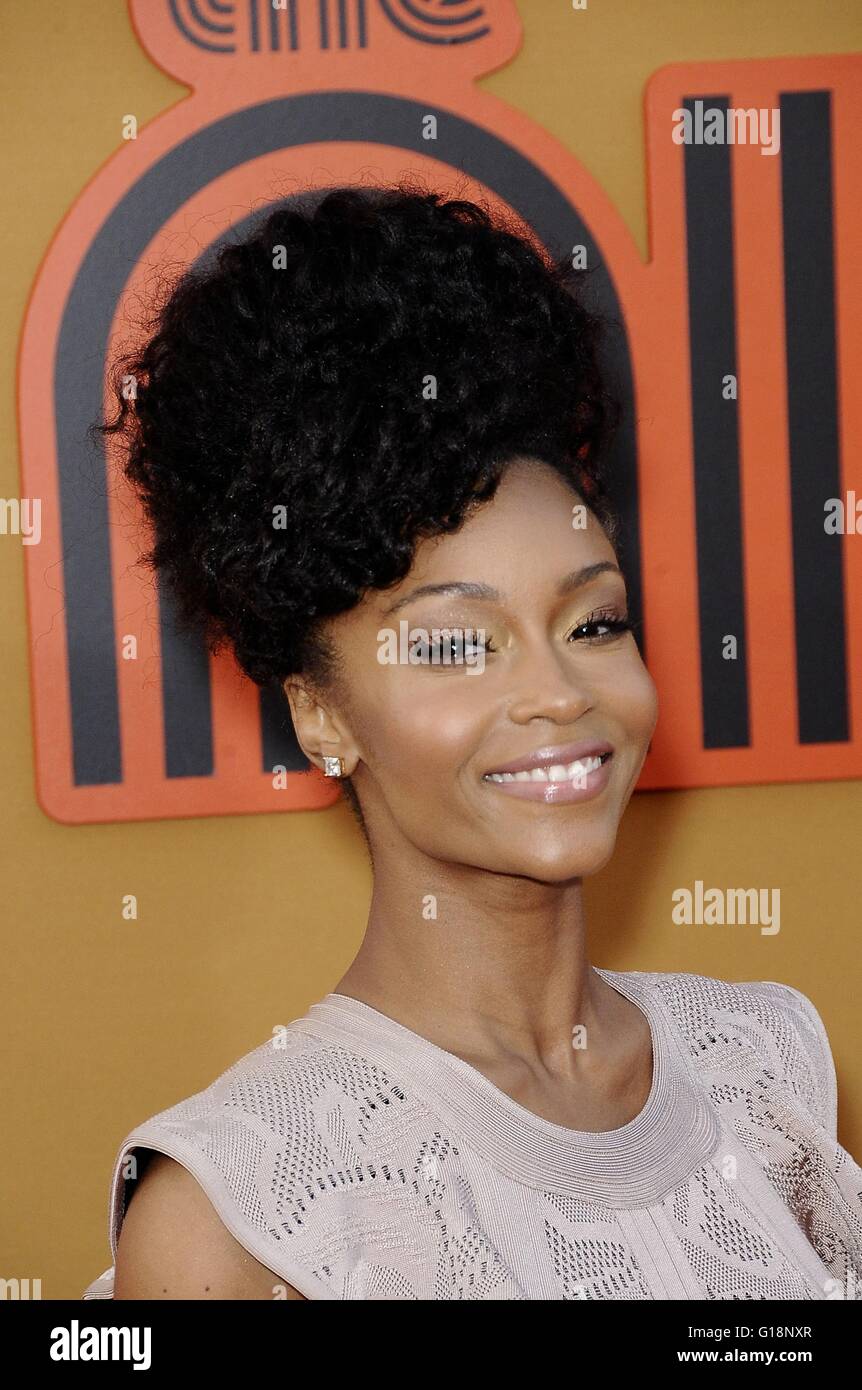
(601, 627)
(452, 648)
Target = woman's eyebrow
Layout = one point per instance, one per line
(467, 589)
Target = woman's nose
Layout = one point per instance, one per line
(546, 685)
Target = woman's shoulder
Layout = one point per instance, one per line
(254, 1087)
(252, 1139)
(689, 992)
(735, 1025)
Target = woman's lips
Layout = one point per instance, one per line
(555, 782)
(556, 754)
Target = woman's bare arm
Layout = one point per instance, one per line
(172, 1245)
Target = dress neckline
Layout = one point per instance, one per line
(674, 1132)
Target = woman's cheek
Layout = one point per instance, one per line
(635, 699)
(650, 703)
(439, 734)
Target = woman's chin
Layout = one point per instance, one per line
(560, 864)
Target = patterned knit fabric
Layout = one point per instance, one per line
(358, 1160)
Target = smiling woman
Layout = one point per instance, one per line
(475, 1111)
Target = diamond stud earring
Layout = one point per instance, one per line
(333, 767)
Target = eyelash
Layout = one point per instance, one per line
(602, 617)
(609, 618)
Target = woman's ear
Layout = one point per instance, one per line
(318, 731)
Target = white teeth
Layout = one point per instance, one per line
(583, 766)
(558, 773)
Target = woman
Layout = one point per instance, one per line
(386, 409)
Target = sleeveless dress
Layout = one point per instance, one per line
(358, 1160)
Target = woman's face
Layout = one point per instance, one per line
(536, 665)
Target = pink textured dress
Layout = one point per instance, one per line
(358, 1160)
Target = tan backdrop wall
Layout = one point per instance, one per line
(245, 920)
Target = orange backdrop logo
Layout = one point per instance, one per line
(737, 352)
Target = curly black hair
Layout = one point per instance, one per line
(354, 376)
